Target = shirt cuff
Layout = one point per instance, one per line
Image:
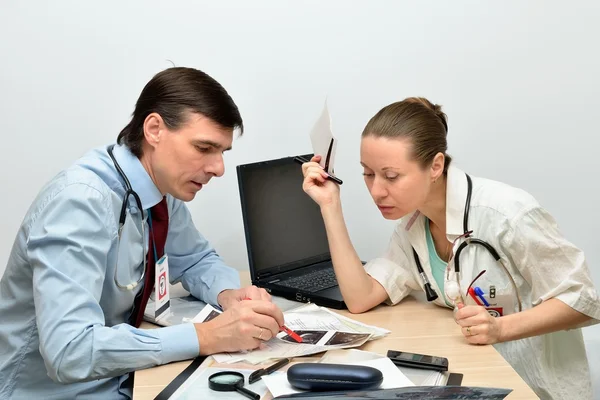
(218, 286)
(178, 342)
(388, 275)
(582, 303)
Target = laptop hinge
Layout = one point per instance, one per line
(263, 275)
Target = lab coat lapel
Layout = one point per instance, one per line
(456, 197)
(415, 231)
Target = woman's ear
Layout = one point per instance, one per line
(437, 166)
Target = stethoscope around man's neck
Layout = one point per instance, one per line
(452, 289)
(122, 215)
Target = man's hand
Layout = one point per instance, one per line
(241, 327)
(230, 297)
(478, 326)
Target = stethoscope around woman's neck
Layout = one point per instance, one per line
(452, 289)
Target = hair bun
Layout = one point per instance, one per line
(437, 109)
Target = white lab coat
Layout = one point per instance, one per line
(542, 262)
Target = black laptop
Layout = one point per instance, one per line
(287, 245)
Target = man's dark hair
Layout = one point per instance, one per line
(173, 94)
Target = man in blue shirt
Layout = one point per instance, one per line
(74, 280)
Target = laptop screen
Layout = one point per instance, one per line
(283, 225)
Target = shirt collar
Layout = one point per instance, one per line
(138, 177)
(456, 197)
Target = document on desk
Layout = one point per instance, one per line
(419, 377)
(392, 377)
(196, 386)
(323, 142)
(182, 309)
(319, 328)
(186, 308)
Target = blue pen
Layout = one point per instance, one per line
(479, 294)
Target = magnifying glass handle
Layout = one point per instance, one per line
(248, 393)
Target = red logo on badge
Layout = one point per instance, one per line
(495, 311)
(162, 285)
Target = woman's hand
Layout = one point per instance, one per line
(478, 326)
(322, 190)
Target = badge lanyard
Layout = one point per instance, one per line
(162, 303)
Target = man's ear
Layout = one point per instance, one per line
(152, 128)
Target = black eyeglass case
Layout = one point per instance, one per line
(322, 377)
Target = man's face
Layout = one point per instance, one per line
(185, 159)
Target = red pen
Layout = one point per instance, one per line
(287, 330)
(474, 296)
(291, 333)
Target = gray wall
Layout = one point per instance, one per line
(519, 81)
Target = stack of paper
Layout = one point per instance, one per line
(186, 308)
(319, 328)
(420, 377)
(392, 377)
(196, 386)
(182, 310)
(423, 377)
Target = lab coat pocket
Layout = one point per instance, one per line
(497, 291)
(501, 300)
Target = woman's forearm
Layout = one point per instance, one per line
(550, 316)
(360, 291)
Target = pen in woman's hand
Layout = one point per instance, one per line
(302, 160)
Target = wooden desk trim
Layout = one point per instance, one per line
(435, 333)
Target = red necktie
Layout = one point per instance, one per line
(159, 215)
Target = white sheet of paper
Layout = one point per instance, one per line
(278, 385)
(419, 377)
(196, 386)
(322, 139)
(343, 356)
(308, 318)
(315, 317)
(278, 348)
(392, 377)
(207, 313)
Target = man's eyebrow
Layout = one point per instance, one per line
(210, 143)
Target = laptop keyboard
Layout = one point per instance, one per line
(314, 281)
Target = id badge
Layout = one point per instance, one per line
(501, 302)
(162, 303)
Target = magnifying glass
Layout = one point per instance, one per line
(230, 381)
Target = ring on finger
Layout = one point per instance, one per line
(468, 331)
(260, 334)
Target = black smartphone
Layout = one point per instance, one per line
(421, 361)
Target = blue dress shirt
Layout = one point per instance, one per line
(63, 319)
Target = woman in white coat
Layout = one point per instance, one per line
(538, 293)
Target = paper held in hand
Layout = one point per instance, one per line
(320, 329)
(323, 142)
